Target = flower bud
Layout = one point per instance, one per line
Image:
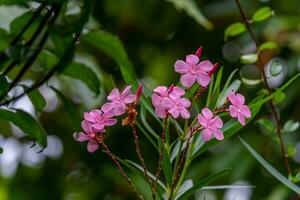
(199, 52)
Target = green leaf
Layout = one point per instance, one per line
(29, 125)
(203, 182)
(291, 126)
(37, 100)
(85, 74)
(70, 108)
(291, 150)
(270, 168)
(268, 45)
(234, 29)
(262, 14)
(167, 167)
(191, 8)
(279, 97)
(276, 68)
(267, 124)
(112, 46)
(47, 59)
(249, 58)
(4, 86)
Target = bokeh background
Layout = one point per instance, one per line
(155, 34)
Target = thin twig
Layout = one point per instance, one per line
(138, 151)
(274, 112)
(113, 158)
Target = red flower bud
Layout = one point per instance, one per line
(199, 52)
(215, 67)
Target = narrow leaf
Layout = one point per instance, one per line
(37, 100)
(262, 14)
(234, 29)
(270, 168)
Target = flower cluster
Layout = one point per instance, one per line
(95, 121)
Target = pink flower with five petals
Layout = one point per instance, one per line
(162, 92)
(191, 71)
(89, 135)
(211, 125)
(238, 109)
(175, 105)
(99, 120)
(118, 101)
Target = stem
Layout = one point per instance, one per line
(138, 151)
(163, 134)
(274, 112)
(113, 158)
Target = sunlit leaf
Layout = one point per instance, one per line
(29, 125)
(234, 29)
(270, 168)
(291, 126)
(268, 45)
(249, 58)
(191, 8)
(262, 14)
(203, 182)
(82, 72)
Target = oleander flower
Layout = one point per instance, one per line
(162, 92)
(99, 119)
(192, 70)
(118, 101)
(238, 109)
(211, 125)
(92, 136)
(176, 106)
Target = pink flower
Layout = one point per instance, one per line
(162, 92)
(118, 101)
(175, 105)
(238, 109)
(211, 125)
(89, 135)
(99, 120)
(191, 71)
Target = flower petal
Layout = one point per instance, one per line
(126, 90)
(107, 107)
(113, 95)
(129, 98)
(174, 112)
(206, 134)
(241, 119)
(178, 91)
(187, 80)
(205, 66)
(98, 126)
(184, 102)
(110, 122)
(160, 111)
(218, 134)
(162, 90)
(80, 137)
(246, 111)
(119, 109)
(202, 121)
(182, 67)
(207, 113)
(233, 111)
(92, 146)
(86, 126)
(217, 122)
(192, 59)
(184, 113)
(240, 99)
(203, 79)
(156, 99)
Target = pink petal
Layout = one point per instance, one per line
(174, 112)
(218, 134)
(119, 109)
(167, 103)
(202, 121)
(107, 107)
(182, 67)
(114, 94)
(110, 122)
(217, 122)
(207, 113)
(98, 126)
(92, 146)
(184, 102)
(178, 91)
(232, 98)
(187, 80)
(156, 99)
(233, 111)
(203, 79)
(86, 126)
(241, 119)
(80, 137)
(240, 99)
(92, 116)
(205, 66)
(192, 59)
(246, 111)
(184, 113)
(206, 134)
(126, 90)
(108, 114)
(162, 90)
(160, 112)
(129, 98)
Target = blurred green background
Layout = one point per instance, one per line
(155, 34)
